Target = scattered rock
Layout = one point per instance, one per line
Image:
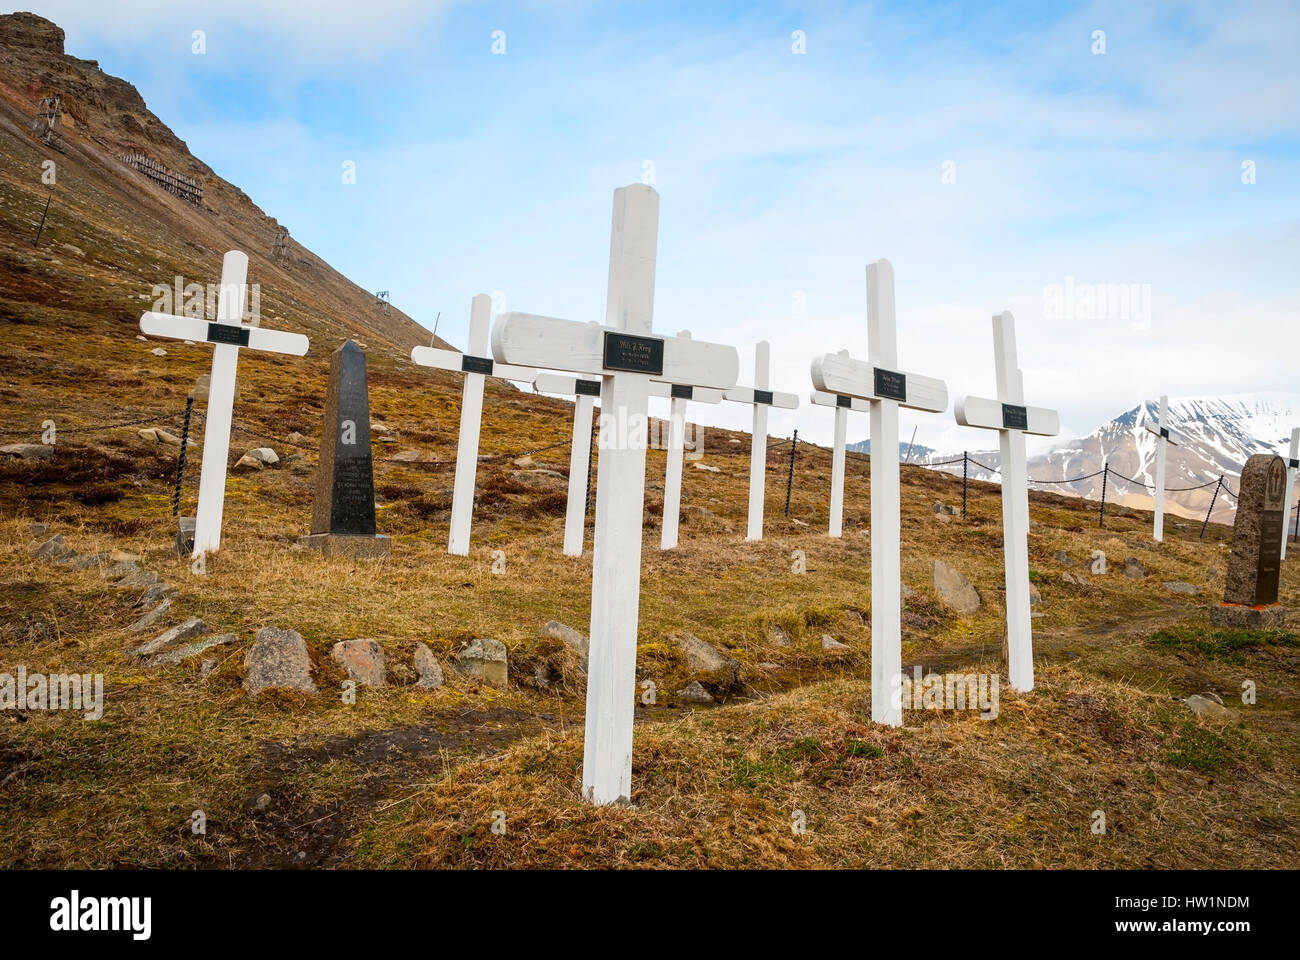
(138, 579)
(524, 461)
(427, 666)
(907, 592)
(703, 657)
(156, 594)
(158, 352)
(946, 510)
(378, 426)
(85, 561)
(73, 249)
(152, 617)
(831, 645)
(159, 435)
(262, 802)
(486, 659)
(694, 692)
(1063, 559)
(796, 522)
(277, 659)
(186, 651)
(855, 616)
(1178, 586)
(121, 569)
(768, 665)
(206, 668)
(1035, 597)
(574, 640)
(778, 636)
(296, 438)
(694, 511)
(363, 660)
(1133, 569)
(704, 466)
(54, 549)
(953, 589)
(40, 529)
(264, 455)
(121, 556)
(193, 627)
(1209, 709)
(28, 451)
(247, 463)
(406, 456)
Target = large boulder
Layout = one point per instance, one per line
(278, 659)
(485, 659)
(953, 589)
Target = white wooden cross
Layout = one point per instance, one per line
(1164, 436)
(886, 388)
(1292, 463)
(227, 335)
(760, 397)
(842, 404)
(476, 365)
(1012, 419)
(625, 354)
(585, 393)
(679, 394)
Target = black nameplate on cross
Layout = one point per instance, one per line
(1015, 417)
(228, 333)
(470, 364)
(1293, 463)
(682, 391)
(587, 388)
(633, 354)
(763, 396)
(1164, 432)
(891, 385)
(843, 401)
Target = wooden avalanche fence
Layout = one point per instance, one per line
(187, 188)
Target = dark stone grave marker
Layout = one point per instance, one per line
(1250, 597)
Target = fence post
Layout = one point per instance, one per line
(1105, 475)
(789, 481)
(1296, 536)
(963, 484)
(180, 461)
(44, 213)
(1214, 498)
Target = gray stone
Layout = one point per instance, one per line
(185, 536)
(28, 451)
(1064, 559)
(54, 549)
(121, 569)
(86, 561)
(486, 659)
(186, 651)
(206, 668)
(703, 657)
(831, 645)
(778, 636)
(363, 659)
(953, 589)
(138, 580)
(247, 463)
(1177, 586)
(855, 616)
(1035, 595)
(40, 529)
(160, 436)
(1209, 709)
(694, 692)
(152, 617)
(158, 352)
(277, 659)
(156, 594)
(1133, 569)
(946, 510)
(427, 666)
(193, 627)
(264, 455)
(572, 639)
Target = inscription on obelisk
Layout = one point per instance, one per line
(1250, 595)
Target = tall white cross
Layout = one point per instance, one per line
(625, 354)
(1012, 419)
(886, 388)
(760, 397)
(679, 394)
(1164, 436)
(476, 365)
(227, 335)
(1292, 464)
(585, 393)
(842, 404)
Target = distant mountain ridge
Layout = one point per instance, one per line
(1218, 435)
(918, 452)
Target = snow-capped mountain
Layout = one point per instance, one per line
(1215, 434)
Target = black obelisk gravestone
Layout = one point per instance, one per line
(1250, 596)
(343, 516)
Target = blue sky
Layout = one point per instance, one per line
(780, 174)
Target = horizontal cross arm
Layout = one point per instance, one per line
(823, 399)
(659, 388)
(997, 415)
(566, 385)
(836, 373)
(589, 348)
(198, 329)
(464, 363)
(1167, 433)
(773, 398)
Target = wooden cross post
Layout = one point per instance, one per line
(842, 404)
(476, 365)
(1164, 437)
(625, 354)
(886, 388)
(227, 335)
(1292, 464)
(679, 394)
(585, 393)
(1012, 419)
(761, 398)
